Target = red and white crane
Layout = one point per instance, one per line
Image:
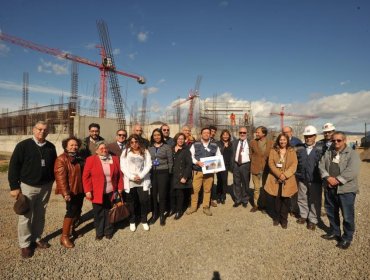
(282, 114)
(104, 67)
(193, 93)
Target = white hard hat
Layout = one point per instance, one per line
(310, 130)
(328, 127)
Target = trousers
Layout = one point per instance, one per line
(346, 203)
(309, 201)
(199, 180)
(31, 225)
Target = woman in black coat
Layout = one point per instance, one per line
(181, 175)
(222, 177)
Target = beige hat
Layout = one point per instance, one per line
(328, 127)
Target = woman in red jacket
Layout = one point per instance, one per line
(101, 178)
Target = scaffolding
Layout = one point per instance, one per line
(226, 115)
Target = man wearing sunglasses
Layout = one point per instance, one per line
(241, 168)
(328, 130)
(339, 169)
(166, 135)
(119, 145)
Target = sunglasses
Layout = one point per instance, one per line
(337, 140)
(165, 130)
(242, 132)
(124, 135)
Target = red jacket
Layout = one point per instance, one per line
(93, 177)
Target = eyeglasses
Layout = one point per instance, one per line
(165, 130)
(328, 132)
(123, 135)
(337, 140)
(242, 132)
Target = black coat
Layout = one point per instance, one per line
(182, 168)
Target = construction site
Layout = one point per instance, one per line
(72, 114)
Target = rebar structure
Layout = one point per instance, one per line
(112, 76)
(143, 107)
(73, 100)
(25, 91)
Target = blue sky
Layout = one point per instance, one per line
(310, 56)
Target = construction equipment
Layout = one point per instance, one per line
(193, 94)
(282, 114)
(105, 66)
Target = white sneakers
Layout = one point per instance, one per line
(145, 226)
(133, 227)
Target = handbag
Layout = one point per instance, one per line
(118, 212)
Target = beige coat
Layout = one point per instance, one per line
(288, 169)
(258, 158)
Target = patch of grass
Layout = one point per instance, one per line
(4, 168)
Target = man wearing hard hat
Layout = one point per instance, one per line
(309, 179)
(328, 130)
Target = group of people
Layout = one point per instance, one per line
(165, 176)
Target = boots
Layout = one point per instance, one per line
(162, 220)
(64, 239)
(75, 223)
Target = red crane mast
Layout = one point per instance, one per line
(282, 114)
(103, 67)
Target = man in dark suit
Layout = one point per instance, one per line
(118, 146)
(241, 168)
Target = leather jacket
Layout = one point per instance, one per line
(68, 175)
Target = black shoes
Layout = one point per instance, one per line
(331, 236)
(153, 219)
(245, 205)
(311, 226)
(301, 221)
(237, 204)
(178, 215)
(162, 220)
(344, 244)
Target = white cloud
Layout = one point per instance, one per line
(150, 90)
(348, 111)
(161, 81)
(4, 49)
(49, 67)
(142, 37)
(344, 83)
(90, 46)
(133, 55)
(116, 51)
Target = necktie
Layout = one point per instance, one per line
(121, 146)
(240, 152)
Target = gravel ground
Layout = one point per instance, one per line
(232, 244)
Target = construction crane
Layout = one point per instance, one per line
(193, 94)
(282, 114)
(106, 66)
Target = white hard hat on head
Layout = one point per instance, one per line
(328, 127)
(310, 130)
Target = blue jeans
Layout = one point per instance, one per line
(345, 202)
